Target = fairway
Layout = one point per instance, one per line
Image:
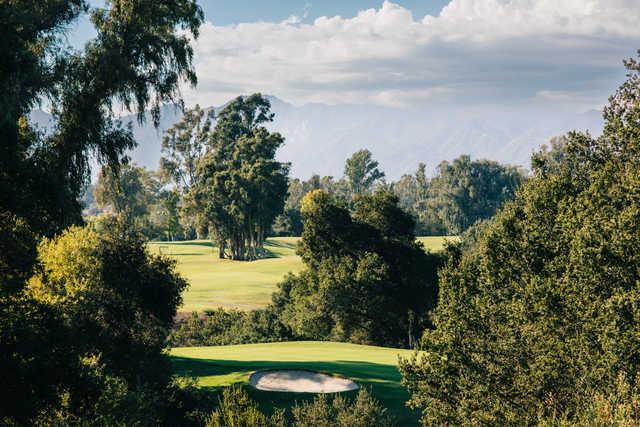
(239, 284)
(215, 282)
(372, 367)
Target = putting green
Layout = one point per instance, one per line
(374, 368)
(239, 284)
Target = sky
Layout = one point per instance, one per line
(459, 54)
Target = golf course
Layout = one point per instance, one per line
(243, 285)
(374, 368)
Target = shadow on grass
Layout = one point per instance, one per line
(279, 244)
(185, 254)
(186, 243)
(382, 380)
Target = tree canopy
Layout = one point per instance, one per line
(241, 187)
(366, 279)
(76, 312)
(539, 309)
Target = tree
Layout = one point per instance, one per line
(362, 172)
(118, 302)
(123, 192)
(139, 71)
(138, 58)
(183, 145)
(366, 279)
(462, 193)
(241, 188)
(538, 311)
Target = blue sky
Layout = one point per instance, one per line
(224, 12)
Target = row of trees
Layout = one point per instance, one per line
(225, 184)
(461, 193)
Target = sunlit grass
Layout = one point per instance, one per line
(239, 284)
(371, 367)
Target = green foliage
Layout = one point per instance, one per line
(241, 188)
(366, 279)
(236, 409)
(619, 408)
(364, 411)
(461, 194)
(31, 381)
(137, 196)
(117, 303)
(17, 253)
(56, 336)
(183, 145)
(362, 172)
(81, 86)
(123, 191)
(226, 327)
(539, 312)
(121, 298)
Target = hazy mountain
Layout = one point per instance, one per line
(320, 137)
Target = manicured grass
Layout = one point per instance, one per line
(218, 282)
(239, 284)
(371, 367)
(436, 243)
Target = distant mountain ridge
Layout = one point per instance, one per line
(320, 137)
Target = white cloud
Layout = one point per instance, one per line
(475, 51)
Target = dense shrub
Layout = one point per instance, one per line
(227, 327)
(117, 303)
(236, 409)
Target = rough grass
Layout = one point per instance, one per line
(372, 367)
(239, 284)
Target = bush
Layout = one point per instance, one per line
(366, 279)
(364, 411)
(236, 409)
(227, 327)
(117, 302)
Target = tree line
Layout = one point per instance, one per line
(227, 185)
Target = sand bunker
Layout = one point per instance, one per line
(300, 382)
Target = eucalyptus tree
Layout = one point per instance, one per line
(361, 172)
(241, 188)
(183, 145)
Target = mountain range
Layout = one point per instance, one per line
(319, 137)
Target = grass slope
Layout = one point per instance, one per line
(239, 284)
(372, 367)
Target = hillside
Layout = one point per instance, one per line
(319, 137)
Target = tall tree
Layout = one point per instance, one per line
(539, 312)
(366, 279)
(138, 58)
(183, 145)
(362, 172)
(241, 188)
